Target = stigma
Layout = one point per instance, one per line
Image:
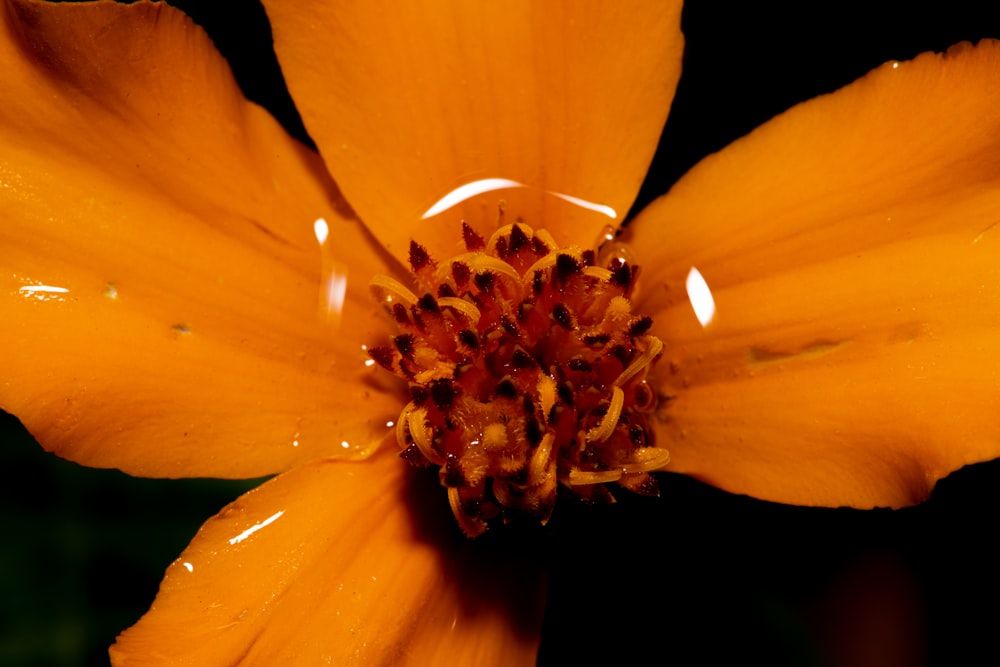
(526, 370)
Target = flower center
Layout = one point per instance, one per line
(526, 370)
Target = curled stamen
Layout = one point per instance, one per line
(603, 431)
(470, 526)
(512, 375)
(401, 425)
(461, 305)
(549, 260)
(384, 288)
(603, 275)
(650, 460)
(486, 263)
(540, 460)
(546, 238)
(583, 478)
(417, 421)
(653, 349)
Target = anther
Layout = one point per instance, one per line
(621, 274)
(521, 379)
(419, 257)
(460, 273)
(468, 338)
(506, 388)
(563, 317)
(509, 324)
(382, 356)
(640, 326)
(473, 241)
(443, 393)
(404, 344)
(566, 267)
(518, 239)
(484, 281)
(428, 304)
(521, 359)
(400, 314)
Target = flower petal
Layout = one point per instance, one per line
(851, 248)
(408, 101)
(338, 563)
(161, 277)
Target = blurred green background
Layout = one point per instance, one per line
(726, 578)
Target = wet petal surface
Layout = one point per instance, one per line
(339, 563)
(850, 249)
(408, 102)
(164, 290)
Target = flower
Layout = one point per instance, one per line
(245, 316)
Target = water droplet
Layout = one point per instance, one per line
(611, 251)
(44, 293)
(111, 291)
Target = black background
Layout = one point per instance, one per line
(695, 577)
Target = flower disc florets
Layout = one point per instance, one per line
(526, 370)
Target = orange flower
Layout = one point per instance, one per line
(161, 268)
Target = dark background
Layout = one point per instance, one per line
(698, 576)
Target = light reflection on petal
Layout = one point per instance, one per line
(257, 526)
(333, 281)
(48, 289)
(701, 297)
(468, 191)
(589, 205)
(475, 188)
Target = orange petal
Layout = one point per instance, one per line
(852, 251)
(339, 563)
(161, 277)
(408, 101)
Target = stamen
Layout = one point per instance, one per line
(602, 431)
(470, 311)
(421, 434)
(540, 460)
(650, 459)
(652, 351)
(546, 394)
(487, 263)
(603, 275)
(401, 425)
(581, 478)
(387, 290)
(525, 367)
(470, 526)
